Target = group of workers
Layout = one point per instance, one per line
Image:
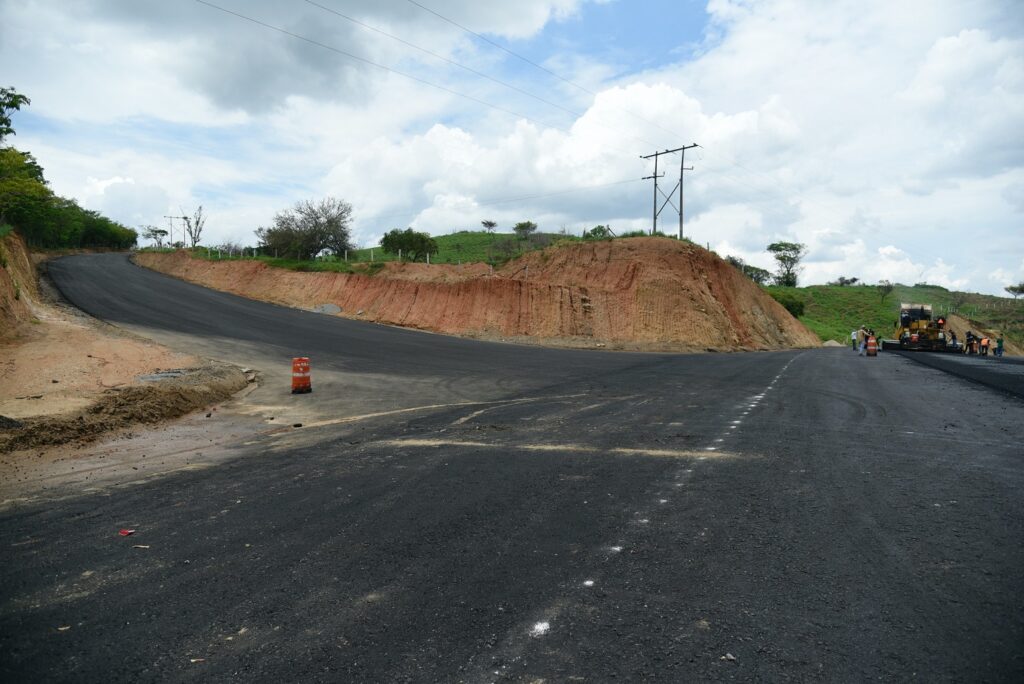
(974, 344)
(859, 339)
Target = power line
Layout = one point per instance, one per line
(522, 198)
(586, 90)
(391, 70)
(469, 69)
(534, 64)
(471, 98)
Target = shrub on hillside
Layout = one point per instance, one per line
(792, 303)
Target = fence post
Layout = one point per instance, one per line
(371, 254)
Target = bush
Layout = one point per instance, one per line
(524, 228)
(792, 303)
(409, 243)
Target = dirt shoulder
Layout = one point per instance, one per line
(67, 380)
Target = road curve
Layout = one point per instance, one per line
(588, 516)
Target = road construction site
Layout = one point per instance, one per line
(449, 509)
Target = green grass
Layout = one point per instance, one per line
(472, 246)
(5, 228)
(832, 312)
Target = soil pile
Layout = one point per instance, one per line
(638, 293)
(122, 407)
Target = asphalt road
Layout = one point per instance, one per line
(575, 516)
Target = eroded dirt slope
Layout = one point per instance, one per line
(17, 286)
(640, 293)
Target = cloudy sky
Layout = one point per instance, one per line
(887, 136)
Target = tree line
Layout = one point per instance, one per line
(42, 217)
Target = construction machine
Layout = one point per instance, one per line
(916, 330)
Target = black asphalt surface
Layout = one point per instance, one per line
(1004, 373)
(806, 515)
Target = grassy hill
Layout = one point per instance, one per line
(832, 311)
(469, 246)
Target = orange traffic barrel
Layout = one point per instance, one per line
(872, 346)
(300, 375)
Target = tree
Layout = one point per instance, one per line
(409, 243)
(788, 256)
(155, 234)
(524, 228)
(17, 164)
(194, 225)
(307, 229)
(489, 225)
(758, 275)
(598, 232)
(10, 101)
(332, 218)
(1016, 290)
(885, 289)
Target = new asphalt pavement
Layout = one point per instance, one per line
(455, 510)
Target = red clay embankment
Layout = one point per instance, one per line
(638, 293)
(17, 285)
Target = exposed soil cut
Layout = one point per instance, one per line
(17, 286)
(639, 293)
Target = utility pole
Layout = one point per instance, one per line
(654, 221)
(170, 226)
(668, 197)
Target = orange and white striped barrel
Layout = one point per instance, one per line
(872, 346)
(300, 375)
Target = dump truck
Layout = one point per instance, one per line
(917, 330)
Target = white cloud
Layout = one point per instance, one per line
(882, 135)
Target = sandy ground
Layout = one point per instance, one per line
(126, 457)
(90, 387)
(63, 364)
